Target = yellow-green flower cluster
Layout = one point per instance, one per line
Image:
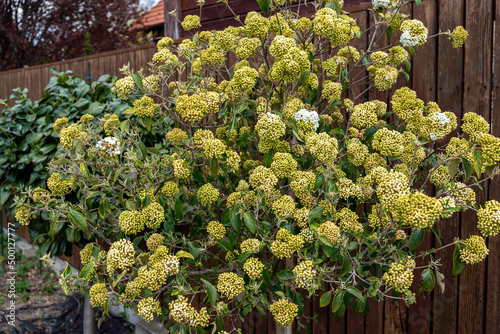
(397, 55)
(350, 53)
(144, 107)
(247, 47)
(356, 152)
(165, 56)
(304, 274)
(378, 219)
(253, 268)
(364, 115)
(399, 277)
(286, 244)
(214, 148)
(281, 45)
(270, 128)
(263, 178)
(169, 189)
(123, 87)
(153, 215)
(332, 90)
(191, 22)
(181, 311)
(181, 169)
(155, 241)
(330, 231)
(441, 177)
(301, 216)
(289, 67)
(388, 142)
(489, 219)
(151, 279)
(68, 135)
(284, 312)
(165, 42)
(385, 77)
(459, 36)
(86, 254)
(226, 39)
(418, 210)
(414, 33)
(60, 124)
(256, 25)
(112, 123)
(462, 194)
(193, 108)
(57, 186)
(148, 307)
(405, 104)
(302, 184)
(323, 147)
(216, 230)
(131, 222)
(230, 285)
(474, 251)
(303, 24)
(250, 245)
(186, 47)
(346, 188)
(490, 148)
(233, 161)
(392, 186)
(334, 65)
(23, 215)
(283, 165)
(120, 256)
(207, 194)
(98, 295)
(243, 80)
(284, 206)
(150, 83)
(87, 118)
(349, 221)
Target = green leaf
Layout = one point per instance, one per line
(478, 162)
(440, 280)
(453, 167)
(77, 218)
(264, 5)
(325, 299)
(285, 274)
(84, 169)
(416, 238)
(355, 292)
(468, 168)
(315, 213)
(250, 222)
(179, 208)
(268, 158)
(153, 150)
(138, 81)
(458, 265)
(235, 218)
(418, 2)
(337, 300)
(184, 254)
(427, 281)
(85, 271)
(211, 291)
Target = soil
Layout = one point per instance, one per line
(42, 306)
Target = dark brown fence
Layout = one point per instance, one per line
(460, 80)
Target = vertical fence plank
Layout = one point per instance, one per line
(492, 315)
(477, 80)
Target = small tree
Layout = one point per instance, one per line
(272, 178)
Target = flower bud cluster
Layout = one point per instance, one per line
(230, 285)
(284, 312)
(148, 308)
(474, 251)
(207, 194)
(253, 268)
(98, 295)
(489, 219)
(216, 230)
(144, 107)
(120, 256)
(286, 244)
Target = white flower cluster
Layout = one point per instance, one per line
(387, 4)
(441, 116)
(407, 39)
(110, 145)
(308, 117)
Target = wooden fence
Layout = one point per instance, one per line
(460, 80)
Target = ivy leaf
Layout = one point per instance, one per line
(211, 291)
(264, 5)
(325, 299)
(416, 238)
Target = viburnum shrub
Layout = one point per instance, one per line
(273, 181)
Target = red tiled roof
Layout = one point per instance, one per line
(154, 16)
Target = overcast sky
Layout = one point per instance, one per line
(149, 3)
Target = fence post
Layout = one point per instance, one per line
(171, 24)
